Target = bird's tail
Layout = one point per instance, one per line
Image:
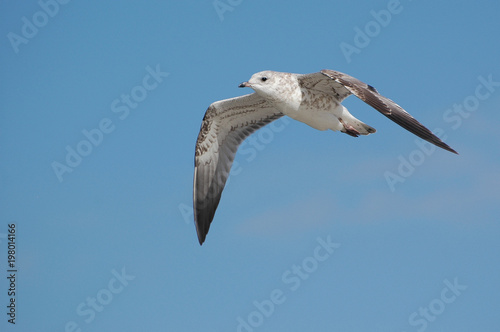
(353, 126)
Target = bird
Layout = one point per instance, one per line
(314, 99)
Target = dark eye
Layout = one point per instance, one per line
(263, 79)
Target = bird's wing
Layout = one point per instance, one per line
(320, 82)
(344, 85)
(225, 125)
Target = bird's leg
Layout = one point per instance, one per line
(348, 129)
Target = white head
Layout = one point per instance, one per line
(269, 84)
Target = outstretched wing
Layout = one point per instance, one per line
(343, 85)
(225, 125)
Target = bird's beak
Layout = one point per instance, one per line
(244, 85)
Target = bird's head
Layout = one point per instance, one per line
(265, 83)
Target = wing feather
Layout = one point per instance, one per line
(225, 125)
(386, 106)
(344, 85)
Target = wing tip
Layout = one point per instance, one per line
(440, 144)
(448, 148)
(201, 234)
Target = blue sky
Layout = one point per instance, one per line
(101, 104)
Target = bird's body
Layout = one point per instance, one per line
(322, 112)
(314, 107)
(314, 99)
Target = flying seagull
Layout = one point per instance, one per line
(313, 99)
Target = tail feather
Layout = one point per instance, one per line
(353, 126)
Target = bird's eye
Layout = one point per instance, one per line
(263, 79)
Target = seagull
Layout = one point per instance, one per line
(314, 99)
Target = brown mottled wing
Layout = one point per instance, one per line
(225, 125)
(322, 83)
(384, 105)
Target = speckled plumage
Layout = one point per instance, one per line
(314, 99)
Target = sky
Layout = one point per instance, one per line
(101, 104)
